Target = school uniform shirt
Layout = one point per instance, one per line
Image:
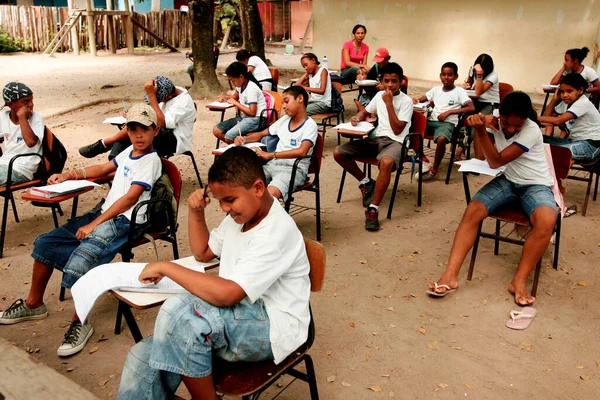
(269, 262)
(292, 139)
(315, 82)
(585, 124)
(588, 73)
(530, 168)
(140, 170)
(492, 95)
(446, 101)
(354, 56)
(14, 144)
(403, 106)
(252, 94)
(261, 70)
(180, 115)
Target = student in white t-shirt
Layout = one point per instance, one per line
(297, 136)
(394, 112)
(248, 98)
(96, 237)
(317, 82)
(23, 132)
(515, 142)
(572, 63)
(449, 101)
(176, 114)
(263, 280)
(257, 67)
(580, 117)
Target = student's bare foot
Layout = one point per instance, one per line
(450, 281)
(519, 290)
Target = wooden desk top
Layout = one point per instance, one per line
(350, 133)
(218, 108)
(54, 200)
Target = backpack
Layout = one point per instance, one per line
(157, 213)
(337, 104)
(55, 154)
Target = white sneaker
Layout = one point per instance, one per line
(75, 339)
(426, 166)
(427, 176)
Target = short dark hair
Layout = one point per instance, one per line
(519, 104)
(393, 68)
(357, 27)
(134, 126)
(238, 166)
(451, 65)
(576, 80)
(296, 91)
(244, 54)
(311, 56)
(487, 63)
(237, 69)
(578, 54)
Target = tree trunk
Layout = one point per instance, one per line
(252, 28)
(206, 83)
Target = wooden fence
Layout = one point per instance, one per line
(38, 25)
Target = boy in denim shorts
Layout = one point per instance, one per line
(256, 309)
(94, 238)
(394, 113)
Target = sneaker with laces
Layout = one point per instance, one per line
(94, 149)
(367, 190)
(19, 312)
(75, 339)
(371, 219)
(427, 176)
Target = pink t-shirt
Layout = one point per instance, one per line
(354, 56)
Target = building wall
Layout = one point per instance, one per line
(526, 39)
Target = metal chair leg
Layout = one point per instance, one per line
(119, 319)
(557, 241)
(61, 296)
(536, 277)
(14, 207)
(474, 253)
(318, 206)
(312, 379)
(496, 241)
(394, 190)
(339, 196)
(4, 216)
(587, 194)
(451, 164)
(191, 155)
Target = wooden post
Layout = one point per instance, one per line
(112, 42)
(91, 27)
(306, 32)
(128, 27)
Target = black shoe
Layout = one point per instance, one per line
(367, 190)
(371, 219)
(94, 149)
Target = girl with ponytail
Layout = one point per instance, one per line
(572, 64)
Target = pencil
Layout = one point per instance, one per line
(124, 105)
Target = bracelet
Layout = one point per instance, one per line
(83, 173)
(74, 172)
(274, 155)
(479, 76)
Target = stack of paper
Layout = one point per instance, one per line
(422, 106)
(115, 120)
(220, 104)
(59, 189)
(479, 166)
(253, 146)
(549, 86)
(366, 82)
(362, 126)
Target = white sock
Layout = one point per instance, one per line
(365, 181)
(104, 144)
(374, 206)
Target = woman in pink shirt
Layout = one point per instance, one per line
(354, 55)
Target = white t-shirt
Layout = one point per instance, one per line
(270, 263)
(252, 94)
(141, 170)
(492, 95)
(180, 115)
(530, 168)
(585, 124)
(315, 82)
(261, 70)
(588, 73)
(14, 144)
(291, 140)
(445, 101)
(403, 106)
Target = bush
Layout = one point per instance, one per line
(10, 45)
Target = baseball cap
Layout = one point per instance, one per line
(142, 114)
(381, 54)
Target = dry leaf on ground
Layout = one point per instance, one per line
(346, 384)
(375, 388)
(331, 378)
(422, 330)
(94, 349)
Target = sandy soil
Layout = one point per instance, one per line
(376, 328)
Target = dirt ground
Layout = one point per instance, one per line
(378, 334)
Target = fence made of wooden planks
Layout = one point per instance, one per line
(38, 25)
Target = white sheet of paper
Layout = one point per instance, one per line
(422, 106)
(366, 82)
(252, 145)
(549, 86)
(101, 279)
(115, 120)
(219, 104)
(363, 126)
(67, 186)
(479, 166)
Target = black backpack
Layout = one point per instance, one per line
(158, 213)
(337, 104)
(55, 154)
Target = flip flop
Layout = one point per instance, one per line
(571, 211)
(436, 294)
(521, 319)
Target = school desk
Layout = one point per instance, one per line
(54, 202)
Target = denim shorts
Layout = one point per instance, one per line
(348, 75)
(187, 333)
(499, 193)
(59, 249)
(580, 149)
(247, 125)
(279, 175)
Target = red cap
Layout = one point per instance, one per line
(381, 54)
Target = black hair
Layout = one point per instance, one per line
(296, 91)
(486, 62)
(576, 80)
(578, 54)
(357, 27)
(237, 69)
(393, 68)
(311, 56)
(244, 54)
(519, 104)
(134, 126)
(238, 166)
(451, 65)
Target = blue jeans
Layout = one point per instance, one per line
(247, 125)
(500, 192)
(187, 333)
(580, 149)
(60, 249)
(348, 75)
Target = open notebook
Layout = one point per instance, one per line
(253, 145)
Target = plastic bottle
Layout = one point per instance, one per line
(324, 62)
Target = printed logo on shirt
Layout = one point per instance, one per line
(571, 121)
(126, 171)
(19, 139)
(293, 142)
(451, 102)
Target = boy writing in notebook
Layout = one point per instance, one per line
(94, 238)
(297, 134)
(263, 280)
